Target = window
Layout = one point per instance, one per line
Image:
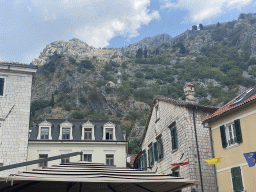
(144, 160)
(157, 113)
(237, 179)
(109, 131)
(160, 147)
(1, 86)
(109, 159)
(87, 134)
(88, 131)
(43, 156)
(109, 134)
(65, 133)
(231, 134)
(88, 157)
(174, 137)
(44, 133)
(150, 155)
(155, 151)
(65, 160)
(1, 164)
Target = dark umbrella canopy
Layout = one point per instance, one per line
(83, 176)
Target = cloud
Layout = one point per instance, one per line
(204, 9)
(97, 21)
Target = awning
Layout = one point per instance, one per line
(91, 177)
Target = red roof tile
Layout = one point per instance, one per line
(230, 106)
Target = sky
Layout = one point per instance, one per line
(27, 26)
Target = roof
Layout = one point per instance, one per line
(185, 104)
(18, 65)
(91, 177)
(77, 129)
(178, 103)
(233, 106)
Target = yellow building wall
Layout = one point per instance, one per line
(98, 151)
(233, 157)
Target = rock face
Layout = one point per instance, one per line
(76, 49)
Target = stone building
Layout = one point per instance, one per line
(15, 94)
(99, 140)
(174, 134)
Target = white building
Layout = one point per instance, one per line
(100, 141)
(15, 95)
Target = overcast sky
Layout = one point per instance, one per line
(27, 26)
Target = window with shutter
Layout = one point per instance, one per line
(155, 151)
(231, 134)
(223, 136)
(238, 132)
(174, 137)
(237, 179)
(1, 86)
(160, 148)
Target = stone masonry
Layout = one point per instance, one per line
(183, 117)
(14, 114)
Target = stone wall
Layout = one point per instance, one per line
(186, 151)
(15, 111)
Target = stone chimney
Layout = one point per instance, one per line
(189, 91)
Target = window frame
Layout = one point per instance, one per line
(109, 134)
(88, 125)
(174, 136)
(112, 126)
(44, 124)
(45, 163)
(157, 113)
(65, 160)
(65, 135)
(230, 135)
(44, 132)
(4, 86)
(160, 147)
(65, 125)
(87, 155)
(241, 177)
(108, 158)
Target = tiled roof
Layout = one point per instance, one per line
(229, 107)
(184, 103)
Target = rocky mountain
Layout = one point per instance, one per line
(76, 80)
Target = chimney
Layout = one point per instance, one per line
(189, 91)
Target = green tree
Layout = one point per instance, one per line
(139, 53)
(145, 53)
(51, 103)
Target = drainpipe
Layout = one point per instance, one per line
(215, 174)
(198, 155)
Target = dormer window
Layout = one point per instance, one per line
(44, 131)
(88, 131)
(66, 131)
(109, 134)
(109, 131)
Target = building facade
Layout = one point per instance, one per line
(233, 134)
(100, 141)
(15, 97)
(174, 134)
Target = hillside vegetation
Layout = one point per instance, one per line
(220, 61)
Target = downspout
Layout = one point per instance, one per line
(215, 174)
(198, 155)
